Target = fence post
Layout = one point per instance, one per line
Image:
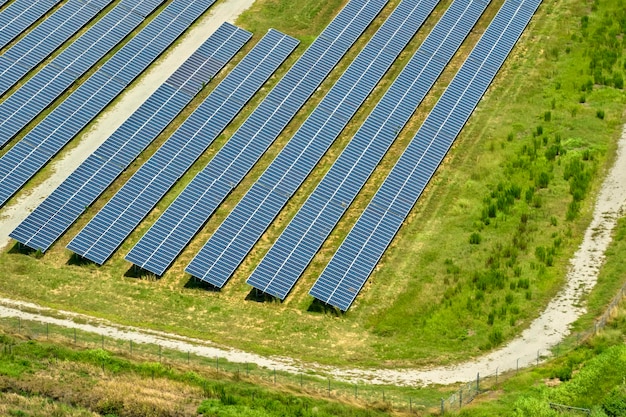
(538, 356)
(410, 405)
(383, 395)
(47, 330)
(247, 371)
(442, 407)
(478, 382)
(159, 353)
(102, 342)
(274, 376)
(460, 397)
(19, 325)
(131, 347)
(217, 363)
(329, 387)
(517, 367)
(497, 377)
(74, 335)
(300, 379)
(356, 391)
(187, 357)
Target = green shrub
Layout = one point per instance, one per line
(600, 114)
(547, 116)
(614, 404)
(475, 238)
(495, 337)
(542, 180)
(618, 80)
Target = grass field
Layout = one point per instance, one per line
(482, 252)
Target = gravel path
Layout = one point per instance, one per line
(545, 332)
(113, 117)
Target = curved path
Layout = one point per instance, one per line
(544, 332)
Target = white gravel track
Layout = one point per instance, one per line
(543, 333)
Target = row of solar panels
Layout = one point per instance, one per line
(39, 92)
(20, 15)
(297, 245)
(232, 241)
(45, 38)
(295, 248)
(63, 123)
(50, 220)
(110, 227)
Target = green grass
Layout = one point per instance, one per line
(99, 381)
(435, 297)
(590, 376)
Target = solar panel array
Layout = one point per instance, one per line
(345, 275)
(287, 259)
(19, 15)
(108, 229)
(175, 228)
(44, 39)
(21, 107)
(52, 218)
(232, 241)
(29, 155)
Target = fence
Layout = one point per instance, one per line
(467, 392)
(403, 400)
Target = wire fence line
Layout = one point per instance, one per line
(410, 401)
(467, 392)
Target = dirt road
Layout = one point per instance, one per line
(545, 332)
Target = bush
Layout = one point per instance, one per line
(564, 373)
(475, 238)
(618, 80)
(495, 337)
(547, 116)
(542, 180)
(600, 114)
(533, 407)
(614, 404)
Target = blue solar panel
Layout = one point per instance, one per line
(297, 245)
(50, 82)
(106, 231)
(44, 39)
(175, 228)
(19, 15)
(345, 275)
(29, 155)
(232, 241)
(46, 224)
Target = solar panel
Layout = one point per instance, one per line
(174, 229)
(106, 231)
(232, 241)
(345, 275)
(44, 39)
(51, 218)
(29, 155)
(21, 107)
(287, 259)
(19, 15)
